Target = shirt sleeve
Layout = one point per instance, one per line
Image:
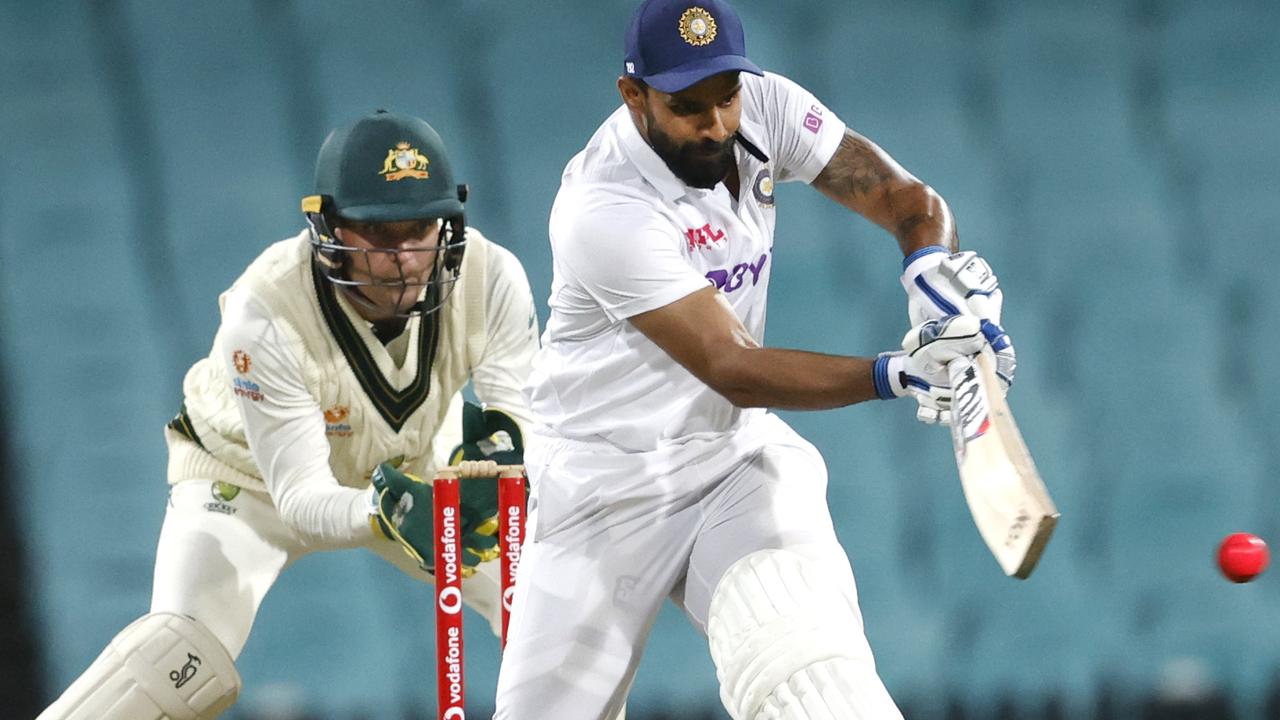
(626, 257)
(511, 336)
(284, 427)
(803, 133)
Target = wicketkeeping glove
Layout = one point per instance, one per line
(939, 284)
(406, 513)
(920, 368)
(488, 435)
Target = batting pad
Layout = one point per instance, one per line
(161, 667)
(789, 645)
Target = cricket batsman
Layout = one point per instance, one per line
(332, 386)
(656, 470)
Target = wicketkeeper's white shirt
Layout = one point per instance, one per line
(627, 236)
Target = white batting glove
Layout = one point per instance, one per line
(920, 368)
(939, 284)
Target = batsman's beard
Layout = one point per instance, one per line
(699, 164)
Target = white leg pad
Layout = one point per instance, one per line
(789, 645)
(830, 690)
(161, 667)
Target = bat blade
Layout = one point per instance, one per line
(1010, 505)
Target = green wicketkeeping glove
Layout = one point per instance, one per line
(487, 434)
(406, 513)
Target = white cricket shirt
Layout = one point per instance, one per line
(627, 236)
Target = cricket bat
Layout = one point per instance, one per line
(1009, 502)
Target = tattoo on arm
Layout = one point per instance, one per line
(926, 224)
(856, 169)
(909, 224)
(865, 179)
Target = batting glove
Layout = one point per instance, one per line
(939, 284)
(920, 368)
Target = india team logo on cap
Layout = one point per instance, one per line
(697, 27)
(404, 161)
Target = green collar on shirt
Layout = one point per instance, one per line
(395, 406)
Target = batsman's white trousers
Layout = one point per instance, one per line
(218, 557)
(612, 535)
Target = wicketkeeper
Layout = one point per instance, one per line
(332, 387)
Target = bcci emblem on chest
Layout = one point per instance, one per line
(762, 188)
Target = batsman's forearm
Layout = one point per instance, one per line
(922, 218)
(793, 379)
(864, 178)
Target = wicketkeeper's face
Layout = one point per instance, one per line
(391, 261)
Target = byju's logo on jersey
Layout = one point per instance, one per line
(335, 421)
(703, 237)
(730, 279)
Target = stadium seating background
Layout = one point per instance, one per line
(1117, 162)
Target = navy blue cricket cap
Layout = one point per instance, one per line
(672, 44)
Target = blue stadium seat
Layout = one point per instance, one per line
(82, 356)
